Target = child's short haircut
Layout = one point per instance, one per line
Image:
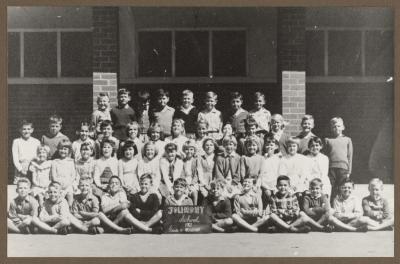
(212, 140)
(316, 182)
(346, 180)
(180, 182)
(87, 145)
(257, 95)
(161, 93)
(115, 177)
(55, 119)
(129, 144)
(237, 95)
(249, 122)
(25, 123)
(279, 117)
(202, 122)
(132, 124)
(229, 139)
(218, 183)
(315, 140)
(55, 184)
(107, 141)
(153, 127)
(24, 180)
(85, 179)
(43, 147)
(105, 123)
(211, 95)
(189, 144)
(293, 140)
(170, 146)
(307, 117)
(148, 176)
(187, 92)
(252, 178)
(252, 139)
(283, 178)
(336, 119)
(123, 91)
(271, 139)
(375, 181)
(103, 95)
(84, 123)
(180, 121)
(150, 143)
(143, 96)
(65, 143)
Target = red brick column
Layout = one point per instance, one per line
(105, 52)
(291, 64)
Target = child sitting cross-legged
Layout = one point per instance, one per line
(317, 207)
(179, 197)
(376, 208)
(85, 209)
(145, 206)
(55, 211)
(218, 207)
(248, 209)
(285, 211)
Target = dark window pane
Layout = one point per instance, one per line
(315, 53)
(13, 55)
(40, 58)
(76, 54)
(192, 53)
(229, 53)
(344, 53)
(155, 54)
(379, 53)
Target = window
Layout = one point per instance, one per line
(155, 54)
(14, 55)
(192, 53)
(379, 53)
(315, 53)
(40, 57)
(344, 53)
(76, 54)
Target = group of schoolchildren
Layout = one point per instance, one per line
(248, 173)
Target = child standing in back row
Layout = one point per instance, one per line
(103, 111)
(339, 150)
(260, 114)
(237, 115)
(212, 116)
(162, 113)
(122, 114)
(24, 150)
(188, 113)
(54, 136)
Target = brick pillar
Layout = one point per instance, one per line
(292, 64)
(105, 52)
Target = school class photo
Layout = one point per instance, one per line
(213, 120)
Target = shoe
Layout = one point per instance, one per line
(304, 229)
(158, 229)
(327, 229)
(63, 231)
(25, 230)
(92, 230)
(362, 229)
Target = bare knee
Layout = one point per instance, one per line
(95, 221)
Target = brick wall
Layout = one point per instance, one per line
(106, 83)
(291, 64)
(105, 52)
(293, 99)
(291, 39)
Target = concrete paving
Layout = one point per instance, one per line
(371, 244)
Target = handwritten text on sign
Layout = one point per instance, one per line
(186, 219)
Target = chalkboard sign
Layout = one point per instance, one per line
(186, 219)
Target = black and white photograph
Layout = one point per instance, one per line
(182, 131)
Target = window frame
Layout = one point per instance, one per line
(363, 77)
(59, 79)
(175, 78)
